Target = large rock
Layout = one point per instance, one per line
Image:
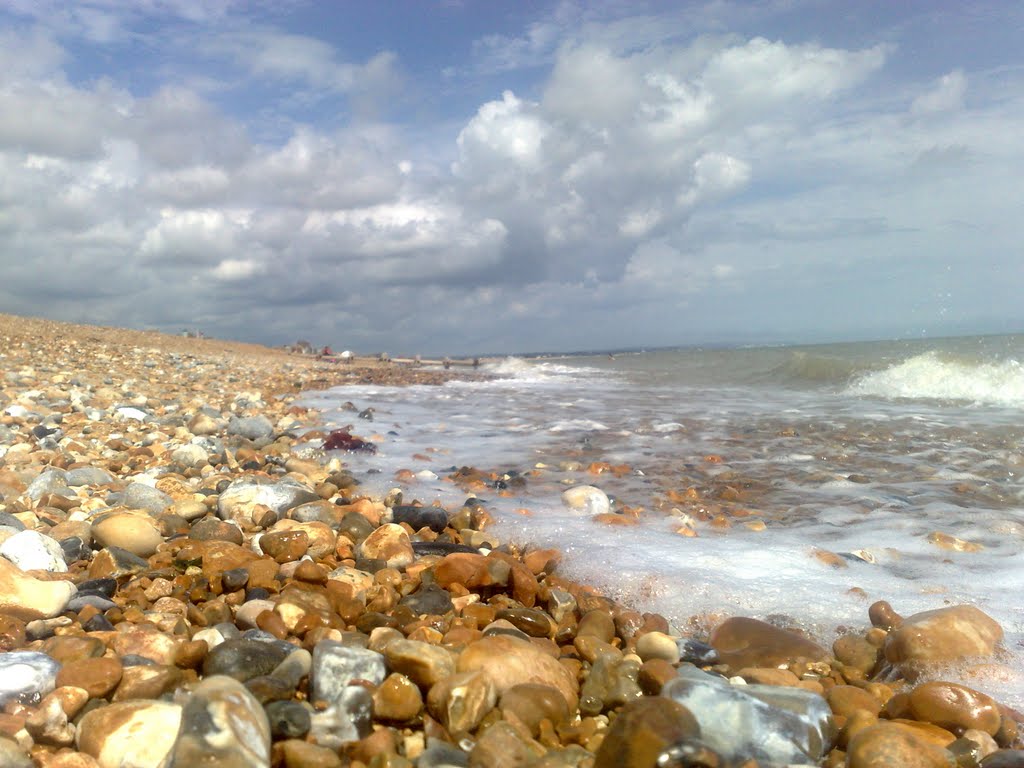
(941, 636)
(222, 724)
(27, 598)
(130, 734)
(743, 642)
(771, 724)
(240, 498)
(509, 661)
(954, 707)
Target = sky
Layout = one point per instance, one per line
(472, 177)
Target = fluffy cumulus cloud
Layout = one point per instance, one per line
(635, 186)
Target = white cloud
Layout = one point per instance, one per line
(946, 94)
(231, 270)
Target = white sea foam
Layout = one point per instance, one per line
(929, 376)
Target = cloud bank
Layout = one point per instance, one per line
(707, 188)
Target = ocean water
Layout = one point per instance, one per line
(906, 459)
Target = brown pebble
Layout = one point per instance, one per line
(531, 703)
(954, 706)
(654, 674)
(98, 676)
(295, 753)
(397, 699)
(643, 730)
(285, 546)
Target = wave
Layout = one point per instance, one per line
(932, 376)
(536, 370)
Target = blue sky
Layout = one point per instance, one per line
(471, 177)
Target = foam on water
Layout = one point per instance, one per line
(834, 470)
(930, 376)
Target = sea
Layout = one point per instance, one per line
(795, 484)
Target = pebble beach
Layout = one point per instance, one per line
(190, 574)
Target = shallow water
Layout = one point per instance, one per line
(870, 449)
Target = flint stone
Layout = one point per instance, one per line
(130, 734)
(587, 499)
(141, 496)
(88, 476)
(335, 666)
(190, 456)
(30, 551)
(251, 427)
(222, 724)
(243, 659)
(242, 495)
(51, 480)
(434, 518)
(891, 744)
(421, 662)
(429, 600)
(131, 530)
(26, 674)
(348, 719)
(771, 724)
(288, 719)
(389, 543)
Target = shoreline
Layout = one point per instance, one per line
(221, 569)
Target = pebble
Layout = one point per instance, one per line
(26, 675)
(509, 661)
(422, 663)
(335, 666)
(397, 699)
(941, 636)
(651, 732)
(223, 725)
(288, 719)
(461, 702)
(886, 745)
(767, 723)
(743, 642)
(132, 531)
(246, 494)
(389, 543)
(954, 707)
(30, 550)
(28, 598)
(130, 734)
(587, 499)
(243, 659)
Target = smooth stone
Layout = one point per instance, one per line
(697, 653)
(349, 718)
(251, 427)
(222, 724)
(142, 496)
(743, 642)
(441, 754)
(190, 456)
(854, 651)
(27, 598)
(317, 512)
(26, 675)
(301, 754)
(647, 733)
(501, 745)
(98, 676)
(130, 734)
(428, 600)
(887, 745)
(941, 636)
(846, 700)
(146, 681)
(243, 659)
(530, 703)
(284, 546)
(389, 543)
(12, 755)
(509, 661)
(87, 476)
(288, 719)
(215, 529)
(954, 707)
(51, 480)
(31, 551)
(587, 500)
(296, 665)
(461, 702)
(471, 570)
(397, 699)
(74, 548)
(422, 663)
(130, 530)
(657, 645)
(115, 562)
(768, 723)
(335, 666)
(243, 495)
(1004, 758)
(417, 518)
(613, 681)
